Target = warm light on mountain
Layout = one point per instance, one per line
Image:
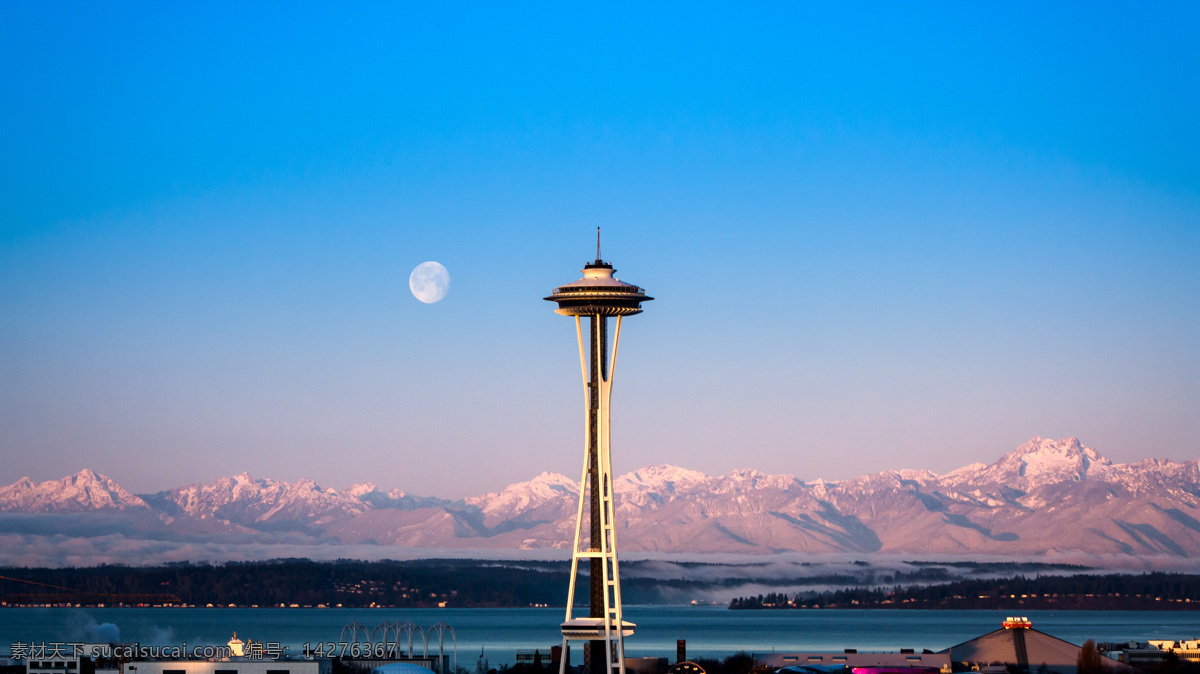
(1046, 497)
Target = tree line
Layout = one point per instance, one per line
(1148, 591)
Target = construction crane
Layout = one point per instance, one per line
(71, 596)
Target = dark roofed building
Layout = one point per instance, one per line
(1017, 643)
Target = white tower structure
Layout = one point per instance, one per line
(597, 296)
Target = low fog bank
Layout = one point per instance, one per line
(63, 550)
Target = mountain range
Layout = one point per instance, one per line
(1046, 497)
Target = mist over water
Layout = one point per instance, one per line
(21, 545)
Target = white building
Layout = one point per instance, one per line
(1153, 651)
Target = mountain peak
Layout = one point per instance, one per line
(360, 489)
(247, 500)
(1038, 445)
(658, 478)
(1038, 462)
(83, 491)
(548, 478)
(1046, 454)
(545, 489)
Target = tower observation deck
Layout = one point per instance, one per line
(598, 293)
(597, 296)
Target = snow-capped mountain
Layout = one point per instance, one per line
(82, 492)
(1045, 497)
(1036, 463)
(242, 499)
(548, 490)
(655, 485)
(398, 499)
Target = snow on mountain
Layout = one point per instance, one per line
(546, 490)
(654, 485)
(1043, 462)
(1045, 497)
(1179, 479)
(747, 479)
(1037, 462)
(247, 500)
(664, 478)
(642, 490)
(395, 499)
(888, 480)
(362, 489)
(81, 492)
(965, 474)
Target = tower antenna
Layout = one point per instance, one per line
(598, 258)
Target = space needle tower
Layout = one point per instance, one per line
(597, 297)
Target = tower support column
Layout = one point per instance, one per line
(604, 628)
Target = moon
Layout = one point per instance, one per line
(429, 282)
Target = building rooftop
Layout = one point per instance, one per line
(1023, 646)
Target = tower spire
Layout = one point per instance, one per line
(598, 258)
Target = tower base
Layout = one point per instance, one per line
(592, 629)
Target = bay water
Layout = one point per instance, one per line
(498, 633)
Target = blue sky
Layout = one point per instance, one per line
(880, 236)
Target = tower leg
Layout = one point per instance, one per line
(605, 654)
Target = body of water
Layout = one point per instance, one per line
(498, 633)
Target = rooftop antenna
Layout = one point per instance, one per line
(598, 244)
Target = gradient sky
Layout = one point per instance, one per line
(881, 236)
